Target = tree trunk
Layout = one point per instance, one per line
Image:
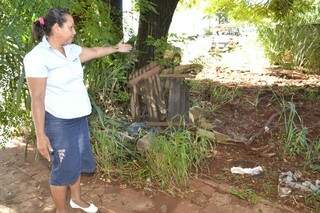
(154, 24)
(116, 14)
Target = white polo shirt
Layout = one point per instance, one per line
(66, 95)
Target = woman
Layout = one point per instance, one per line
(60, 103)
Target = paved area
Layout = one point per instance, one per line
(24, 188)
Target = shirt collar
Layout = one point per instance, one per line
(45, 42)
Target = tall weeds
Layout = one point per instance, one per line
(295, 138)
(294, 41)
(105, 78)
(171, 159)
(172, 156)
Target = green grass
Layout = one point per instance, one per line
(246, 194)
(295, 140)
(111, 150)
(220, 94)
(171, 159)
(293, 43)
(173, 155)
(217, 94)
(313, 200)
(312, 95)
(198, 86)
(312, 155)
(295, 135)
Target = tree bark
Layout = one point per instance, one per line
(154, 24)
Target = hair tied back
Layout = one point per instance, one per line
(41, 21)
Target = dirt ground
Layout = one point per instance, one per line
(245, 70)
(243, 118)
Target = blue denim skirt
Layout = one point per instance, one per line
(72, 153)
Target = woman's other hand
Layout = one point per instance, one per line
(44, 146)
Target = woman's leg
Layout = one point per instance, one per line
(59, 197)
(76, 194)
(87, 162)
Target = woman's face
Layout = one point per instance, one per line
(67, 31)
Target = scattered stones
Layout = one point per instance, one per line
(195, 113)
(144, 143)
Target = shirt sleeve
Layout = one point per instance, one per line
(76, 49)
(34, 67)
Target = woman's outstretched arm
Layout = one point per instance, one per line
(88, 54)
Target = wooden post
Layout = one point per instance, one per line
(178, 103)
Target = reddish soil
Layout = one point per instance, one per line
(245, 115)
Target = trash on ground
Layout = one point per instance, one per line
(250, 171)
(293, 180)
(284, 191)
(135, 128)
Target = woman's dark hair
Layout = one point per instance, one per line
(43, 25)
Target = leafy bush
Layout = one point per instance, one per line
(15, 27)
(288, 29)
(293, 44)
(293, 40)
(105, 78)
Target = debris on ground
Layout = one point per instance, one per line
(135, 128)
(249, 171)
(145, 142)
(292, 180)
(284, 191)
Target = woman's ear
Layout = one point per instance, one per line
(55, 28)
